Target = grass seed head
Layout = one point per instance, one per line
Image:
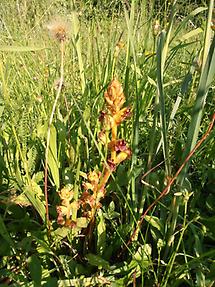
(156, 28)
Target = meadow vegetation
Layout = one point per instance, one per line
(107, 150)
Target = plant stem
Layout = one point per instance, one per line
(114, 138)
(62, 48)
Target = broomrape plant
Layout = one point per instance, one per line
(95, 186)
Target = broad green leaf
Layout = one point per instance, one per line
(4, 233)
(190, 34)
(35, 268)
(60, 233)
(101, 233)
(98, 261)
(35, 195)
(143, 254)
(43, 246)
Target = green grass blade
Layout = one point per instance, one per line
(186, 20)
(132, 51)
(21, 48)
(77, 45)
(205, 81)
(190, 34)
(162, 52)
(208, 32)
(160, 68)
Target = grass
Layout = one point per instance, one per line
(77, 208)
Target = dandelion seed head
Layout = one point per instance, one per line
(59, 29)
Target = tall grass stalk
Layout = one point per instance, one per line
(130, 21)
(162, 52)
(78, 49)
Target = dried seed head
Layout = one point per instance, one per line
(102, 116)
(58, 84)
(156, 28)
(87, 199)
(87, 186)
(60, 219)
(59, 29)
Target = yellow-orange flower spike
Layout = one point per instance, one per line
(114, 97)
(122, 115)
